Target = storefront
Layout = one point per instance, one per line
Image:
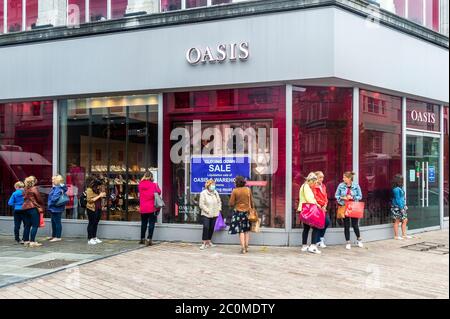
(232, 101)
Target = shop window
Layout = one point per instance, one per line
(25, 147)
(170, 5)
(214, 2)
(2, 20)
(400, 7)
(76, 12)
(423, 116)
(114, 139)
(14, 19)
(446, 159)
(240, 110)
(195, 3)
(118, 8)
(32, 13)
(322, 139)
(415, 11)
(98, 10)
(432, 14)
(380, 153)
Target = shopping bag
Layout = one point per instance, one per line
(41, 221)
(256, 226)
(354, 209)
(220, 223)
(313, 216)
(159, 203)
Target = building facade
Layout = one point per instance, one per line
(118, 88)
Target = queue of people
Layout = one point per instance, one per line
(28, 208)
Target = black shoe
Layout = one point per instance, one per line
(149, 242)
(142, 242)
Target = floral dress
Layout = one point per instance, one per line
(239, 223)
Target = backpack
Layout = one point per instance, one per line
(83, 200)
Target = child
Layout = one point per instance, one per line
(16, 202)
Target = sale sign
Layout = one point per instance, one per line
(223, 170)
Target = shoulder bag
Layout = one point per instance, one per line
(253, 213)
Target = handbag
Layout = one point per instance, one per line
(256, 226)
(313, 216)
(41, 220)
(62, 200)
(253, 213)
(220, 223)
(340, 213)
(159, 203)
(354, 209)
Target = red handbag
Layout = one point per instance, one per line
(313, 216)
(354, 209)
(41, 221)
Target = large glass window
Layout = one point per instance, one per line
(234, 123)
(14, 19)
(446, 159)
(170, 5)
(26, 139)
(322, 139)
(380, 152)
(118, 8)
(195, 3)
(423, 116)
(32, 13)
(214, 2)
(416, 10)
(114, 139)
(98, 10)
(1, 16)
(76, 12)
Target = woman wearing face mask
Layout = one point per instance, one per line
(210, 206)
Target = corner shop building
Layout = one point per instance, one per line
(343, 90)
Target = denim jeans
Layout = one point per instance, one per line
(150, 220)
(19, 218)
(56, 225)
(32, 219)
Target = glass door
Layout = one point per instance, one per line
(422, 180)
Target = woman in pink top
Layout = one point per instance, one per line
(147, 190)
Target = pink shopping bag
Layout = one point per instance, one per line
(313, 216)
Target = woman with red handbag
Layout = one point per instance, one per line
(307, 197)
(320, 193)
(348, 191)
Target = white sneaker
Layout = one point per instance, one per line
(321, 244)
(211, 245)
(53, 240)
(98, 241)
(398, 238)
(203, 247)
(348, 246)
(407, 237)
(92, 242)
(360, 244)
(305, 248)
(313, 249)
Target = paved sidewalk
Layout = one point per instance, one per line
(173, 270)
(19, 263)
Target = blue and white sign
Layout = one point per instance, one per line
(221, 169)
(431, 174)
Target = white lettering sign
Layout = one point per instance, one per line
(425, 117)
(220, 54)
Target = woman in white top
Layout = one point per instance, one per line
(210, 206)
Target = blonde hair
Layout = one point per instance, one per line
(148, 176)
(58, 179)
(350, 175)
(30, 181)
(209, 182)
(311, 177)
(19, 185)
(319, 174)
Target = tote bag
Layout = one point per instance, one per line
(354, 209)
(312, 215)
(220, 223)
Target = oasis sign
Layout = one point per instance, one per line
(424, 117)
(219, 54)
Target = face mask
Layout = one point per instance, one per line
(212, 188)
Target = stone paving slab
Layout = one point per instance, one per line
(15, 260)
(174, 270)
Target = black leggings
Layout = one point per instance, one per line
(355, 222)
(150, 220)
(315, 237)
(94, 219)
(208, 227)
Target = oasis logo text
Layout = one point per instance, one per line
(425, 117)
(220, 54)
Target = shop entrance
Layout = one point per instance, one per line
(422, 180)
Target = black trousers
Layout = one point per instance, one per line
(150, 220)
(208, 227)
(315, 237)
(94, 219)
(355, 225)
